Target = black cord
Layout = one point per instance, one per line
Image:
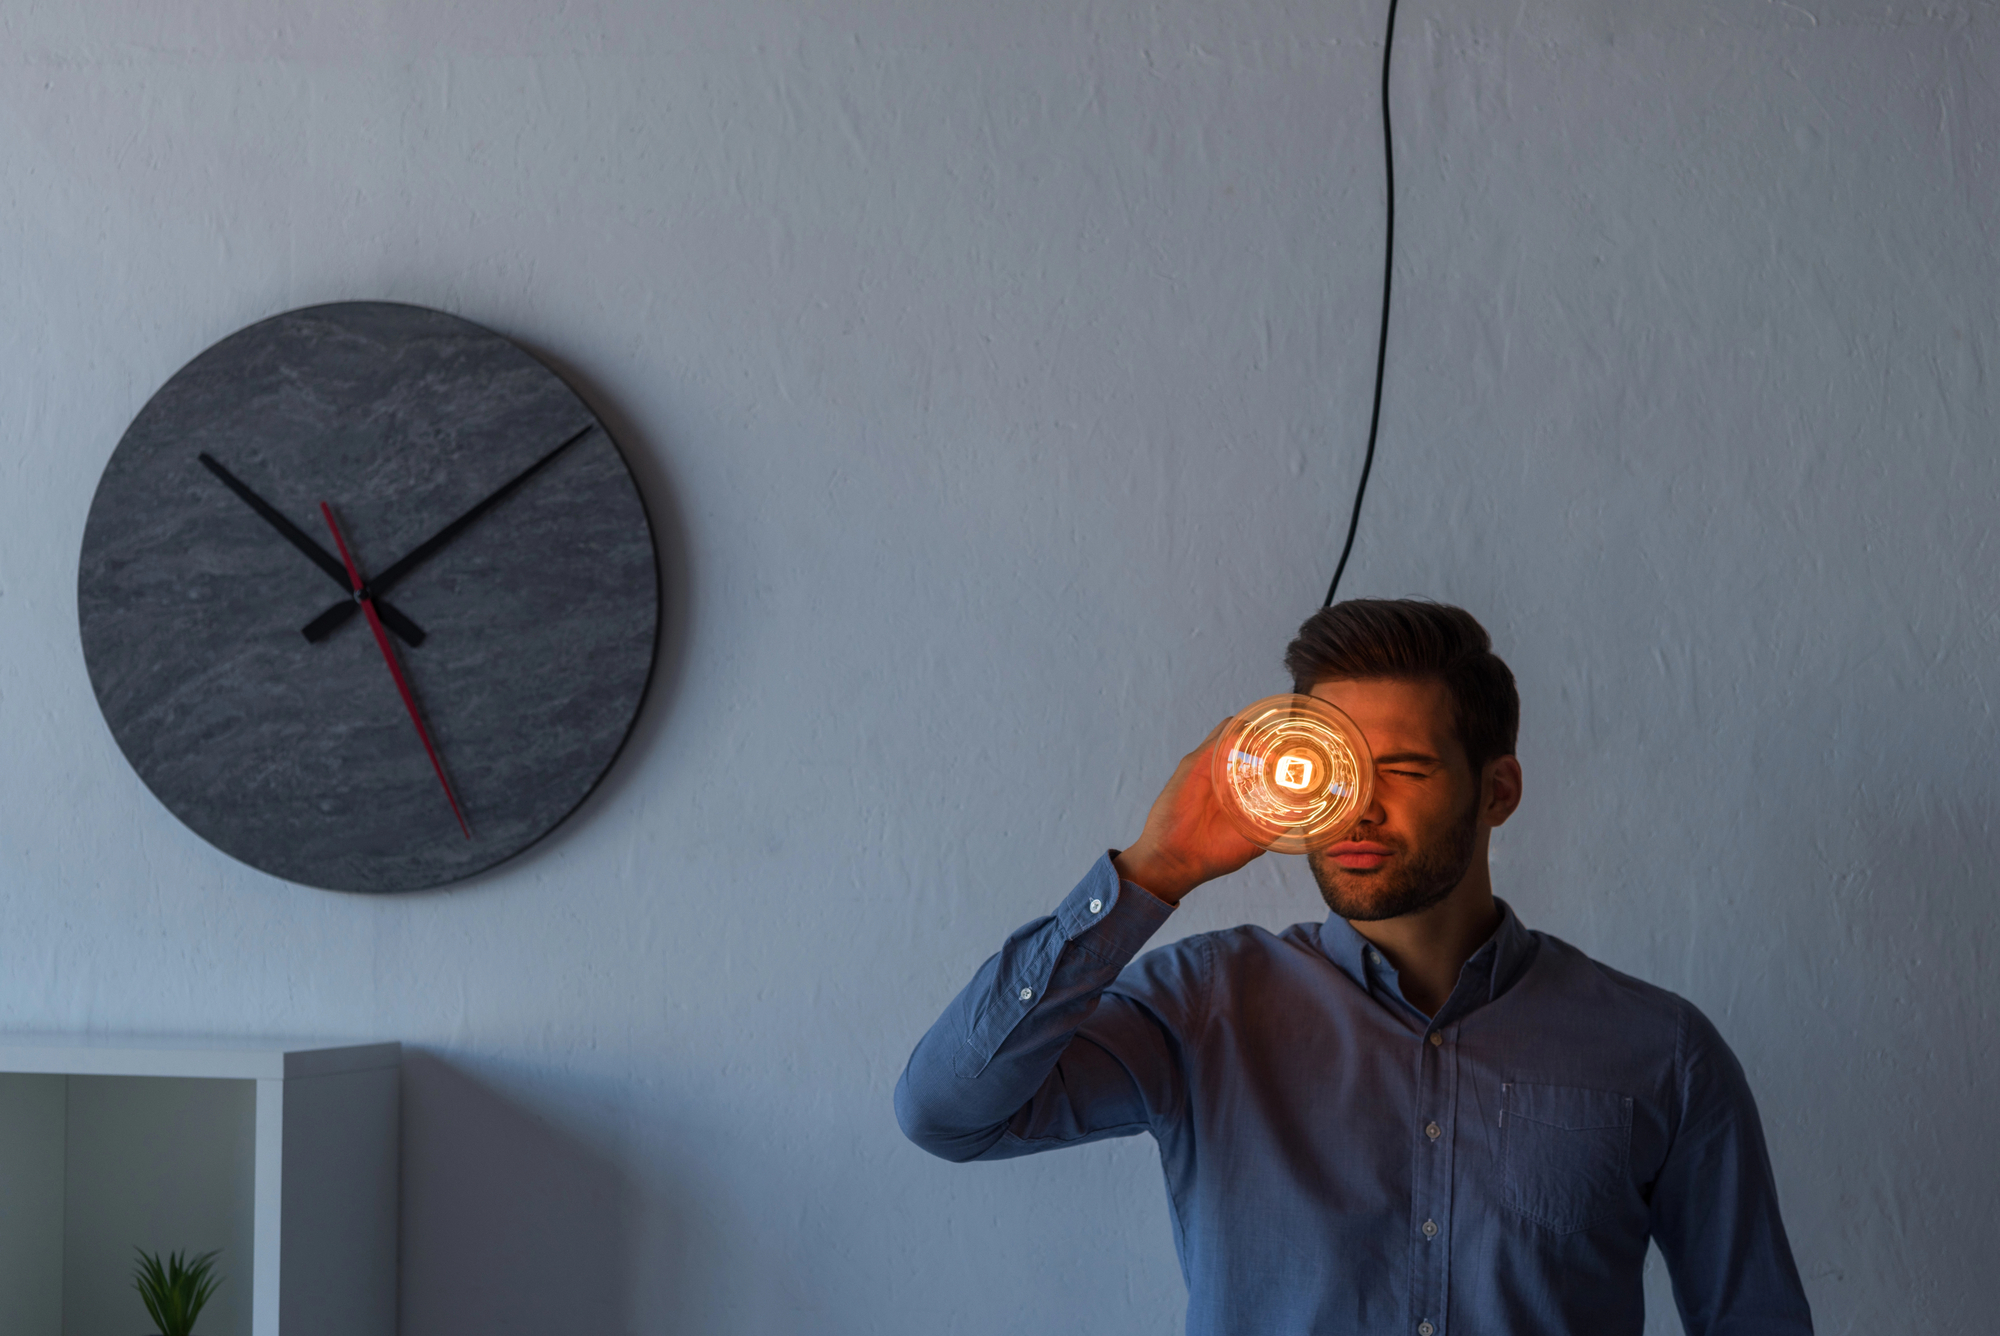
(1382, 344)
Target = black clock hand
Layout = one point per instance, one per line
(327, 622)
(408, 631)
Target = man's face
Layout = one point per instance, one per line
(1416, 841)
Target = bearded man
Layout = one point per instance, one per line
(1416, 1118)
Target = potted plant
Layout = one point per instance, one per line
(175, 1290)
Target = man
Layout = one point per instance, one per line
(1416, 1118)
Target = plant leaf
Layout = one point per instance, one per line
(175, 1291)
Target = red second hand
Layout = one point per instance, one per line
(395, 669)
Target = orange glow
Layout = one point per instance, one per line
(1293, 773)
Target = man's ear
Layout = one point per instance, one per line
(1499, 790)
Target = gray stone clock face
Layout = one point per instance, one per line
(525, 637)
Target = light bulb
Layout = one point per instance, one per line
(1293, 773)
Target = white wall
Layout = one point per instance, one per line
(1000, 373)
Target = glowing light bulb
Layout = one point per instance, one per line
(1293, 773)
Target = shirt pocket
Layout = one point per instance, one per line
(1565, 1152)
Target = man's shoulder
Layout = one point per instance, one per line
(1611, 994)
(1220, 954)
(1245, 941)
(1583, 1005)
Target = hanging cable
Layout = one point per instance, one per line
(1382, 342)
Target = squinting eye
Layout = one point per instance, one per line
(1413, 774)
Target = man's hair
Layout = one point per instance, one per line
(1415, 640)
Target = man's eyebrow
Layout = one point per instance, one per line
(1405, 757)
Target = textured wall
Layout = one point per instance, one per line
(997, 374)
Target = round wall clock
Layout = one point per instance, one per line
(368, 597)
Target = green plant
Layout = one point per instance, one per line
(175, 1290)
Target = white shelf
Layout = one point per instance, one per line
(284, 1155)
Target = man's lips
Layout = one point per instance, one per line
(1359, 855)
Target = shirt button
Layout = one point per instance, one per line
(1097, 906)
(1426, 1329)
(1430, 1229)
(1431, 1130)
(1028, 995)
(1375, 956)
(1437, 1039)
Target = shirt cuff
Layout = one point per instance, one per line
(1112, 918)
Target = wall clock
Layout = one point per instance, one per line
(368, 597)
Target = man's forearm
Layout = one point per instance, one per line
(995, 1047)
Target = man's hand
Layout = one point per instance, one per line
(1188, 838)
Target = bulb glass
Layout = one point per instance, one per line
(1293, 773)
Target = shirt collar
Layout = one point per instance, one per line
(1491, 970)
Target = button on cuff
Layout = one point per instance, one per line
(1116, 918)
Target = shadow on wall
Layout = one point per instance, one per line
(510, 1224)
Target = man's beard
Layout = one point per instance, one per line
(1419, 878)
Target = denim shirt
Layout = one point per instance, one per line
(1339, 1162)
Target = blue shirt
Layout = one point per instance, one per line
(1339, 1162)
